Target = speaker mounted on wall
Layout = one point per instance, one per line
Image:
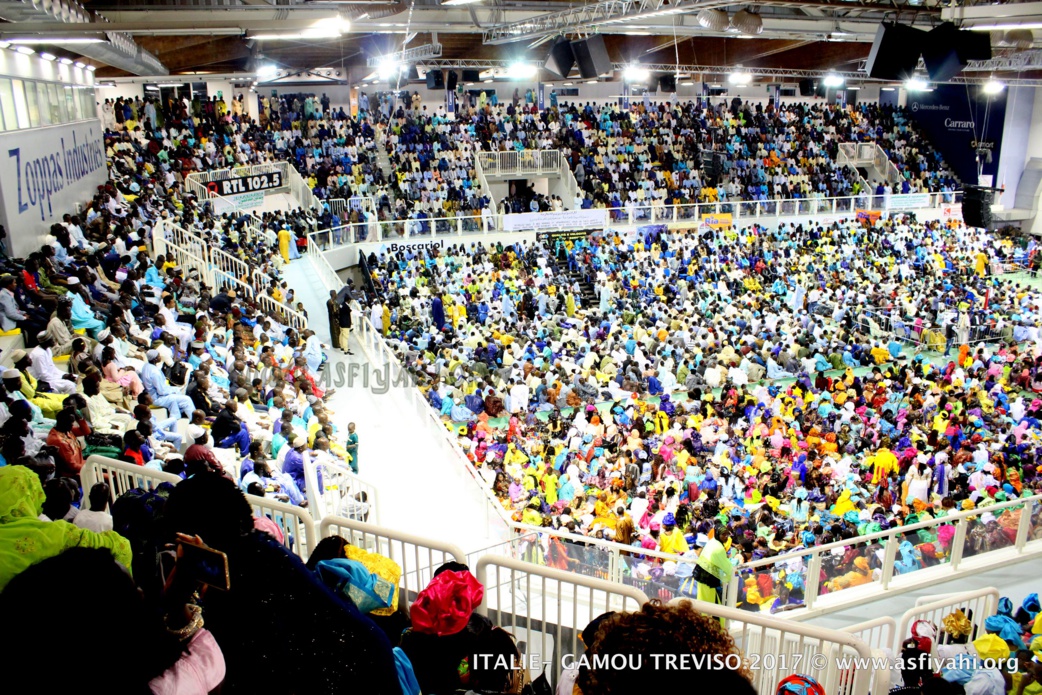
(976, 206)
(435, 79)
(450, 84)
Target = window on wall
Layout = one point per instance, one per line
(20, 108)
(32, 103)
(7, 104)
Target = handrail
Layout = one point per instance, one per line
(417, 556)
(121, 476)
(807, 647)
(487, 190)
(982, 604)
(898, 530)
(692, 214)
(296, 524)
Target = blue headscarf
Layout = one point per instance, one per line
(1006, 628)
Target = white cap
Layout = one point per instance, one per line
(196, 432)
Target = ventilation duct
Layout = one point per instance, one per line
(120, 51)
(747, 22)
(714, 20)
(1018, 38)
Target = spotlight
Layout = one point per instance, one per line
(993, 86)
(740, 78)
(635, 73)
(833, 81)
(916, 84)
(522, 71)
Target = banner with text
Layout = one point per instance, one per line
(959, 120)
(46, 173)
(572, 219)
(720, 220)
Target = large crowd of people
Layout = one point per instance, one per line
(727, 395)
(735, 381)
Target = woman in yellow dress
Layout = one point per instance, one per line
(284, 238)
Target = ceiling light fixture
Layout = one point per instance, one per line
(25, 50)
(522, 71)
(916, 84)
(635, 73)
(993, 86)
(92, 68)
(48, 57)
(833, 80)
(740, 78)
(450, 3)
(80, 64)
(1004, 27)
(36, 40)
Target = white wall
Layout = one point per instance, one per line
(127, 90)
(1020, 113)
(46, 173)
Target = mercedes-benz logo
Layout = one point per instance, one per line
(915, 106)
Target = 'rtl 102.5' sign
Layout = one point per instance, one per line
(246, 184)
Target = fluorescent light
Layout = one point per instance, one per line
(5, 44)
(48, 56)
(635, 73)
(568, 84)
(65, 61)
(1004, 27)
(449, 3)
(522, 71)
(993, 86)
(151, 88)
(854, 88)
(486, 81)
(833, 81)
(637, 33)
(172, 84)
(591, 81)
(36, 40)
(886, 89)
(740, 78)
(687, 84)
(266, 72)
(468, 84)
(92, 68)
(916, 84)
(25, 50)
(80, 64)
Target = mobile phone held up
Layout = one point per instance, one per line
(205, 565)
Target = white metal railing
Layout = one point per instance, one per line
(330, 280)
(740, 211)
(281, 312)
(777, 648)
(483, 184)
(338, 491)
(546, 609)
(846, 158)
(297, 526)
(418, 557)
(220, 269)
(978, 606)
(571, 185)
(520, 163)
(896, 571)
(121, 476)
(878, 633)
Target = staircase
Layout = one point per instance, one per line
(587, 296)
(383, 162)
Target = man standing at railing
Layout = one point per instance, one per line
(333, 312)
(344, 318)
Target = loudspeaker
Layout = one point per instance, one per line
(472, 76)
(561, 58)
(667, 83)
(976, 206)
(947, 50)
(435, 79)
(451, 84)
(895, 52)
(592, 56)
(807, 88)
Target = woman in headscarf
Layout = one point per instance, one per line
(25, 540)
(325, 644)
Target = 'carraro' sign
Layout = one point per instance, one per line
(246, 184)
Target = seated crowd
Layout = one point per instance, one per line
(732, 380)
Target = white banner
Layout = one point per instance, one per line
(594, 218)
(45, 173)
(244, 201)
(909, 201)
